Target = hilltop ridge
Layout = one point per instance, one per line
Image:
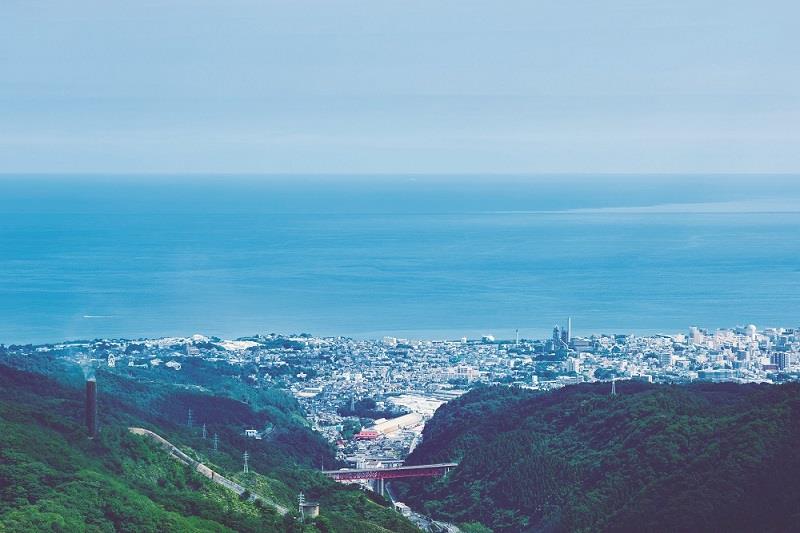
(53, 477)
(702, 457)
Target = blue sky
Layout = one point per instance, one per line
(399, 87)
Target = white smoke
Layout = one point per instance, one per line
(88, 366)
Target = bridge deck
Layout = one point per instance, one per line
(352, 474)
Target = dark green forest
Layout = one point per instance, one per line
(702, 457)
(53, 478)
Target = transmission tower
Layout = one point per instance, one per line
(301, 499)
(205, 431)
(246, 456)
(216, 442)
(189, 421)
(613, 386)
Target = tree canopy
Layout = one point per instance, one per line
(703, 457)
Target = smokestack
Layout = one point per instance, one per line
(91, 407)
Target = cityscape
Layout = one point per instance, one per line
(371, 398)
(399, 267)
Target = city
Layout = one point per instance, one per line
(407, 267)
(371, 398)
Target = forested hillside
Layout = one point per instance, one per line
(52, 477)
(703, 457)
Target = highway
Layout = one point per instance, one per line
(421, 521)
(204, 470)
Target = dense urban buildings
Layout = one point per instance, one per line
(372, 397)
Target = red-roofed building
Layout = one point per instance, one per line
(367, 434)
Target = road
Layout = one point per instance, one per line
(425, 523)
(206, 471)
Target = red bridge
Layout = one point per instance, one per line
(397, 472)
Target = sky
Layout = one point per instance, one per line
(533, 86)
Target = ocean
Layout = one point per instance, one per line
(409, 256)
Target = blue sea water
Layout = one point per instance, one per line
(418, 256)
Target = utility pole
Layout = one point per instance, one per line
(189, 422)
(246, 456)
(216, 442)
(205, 431)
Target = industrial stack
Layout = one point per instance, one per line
(91, 407)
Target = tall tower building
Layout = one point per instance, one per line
(569, 330)
(695, 335)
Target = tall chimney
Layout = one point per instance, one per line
(91, 407)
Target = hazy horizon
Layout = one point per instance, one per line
(417, 87)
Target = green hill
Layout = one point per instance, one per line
(53, 478)
(653, 458)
